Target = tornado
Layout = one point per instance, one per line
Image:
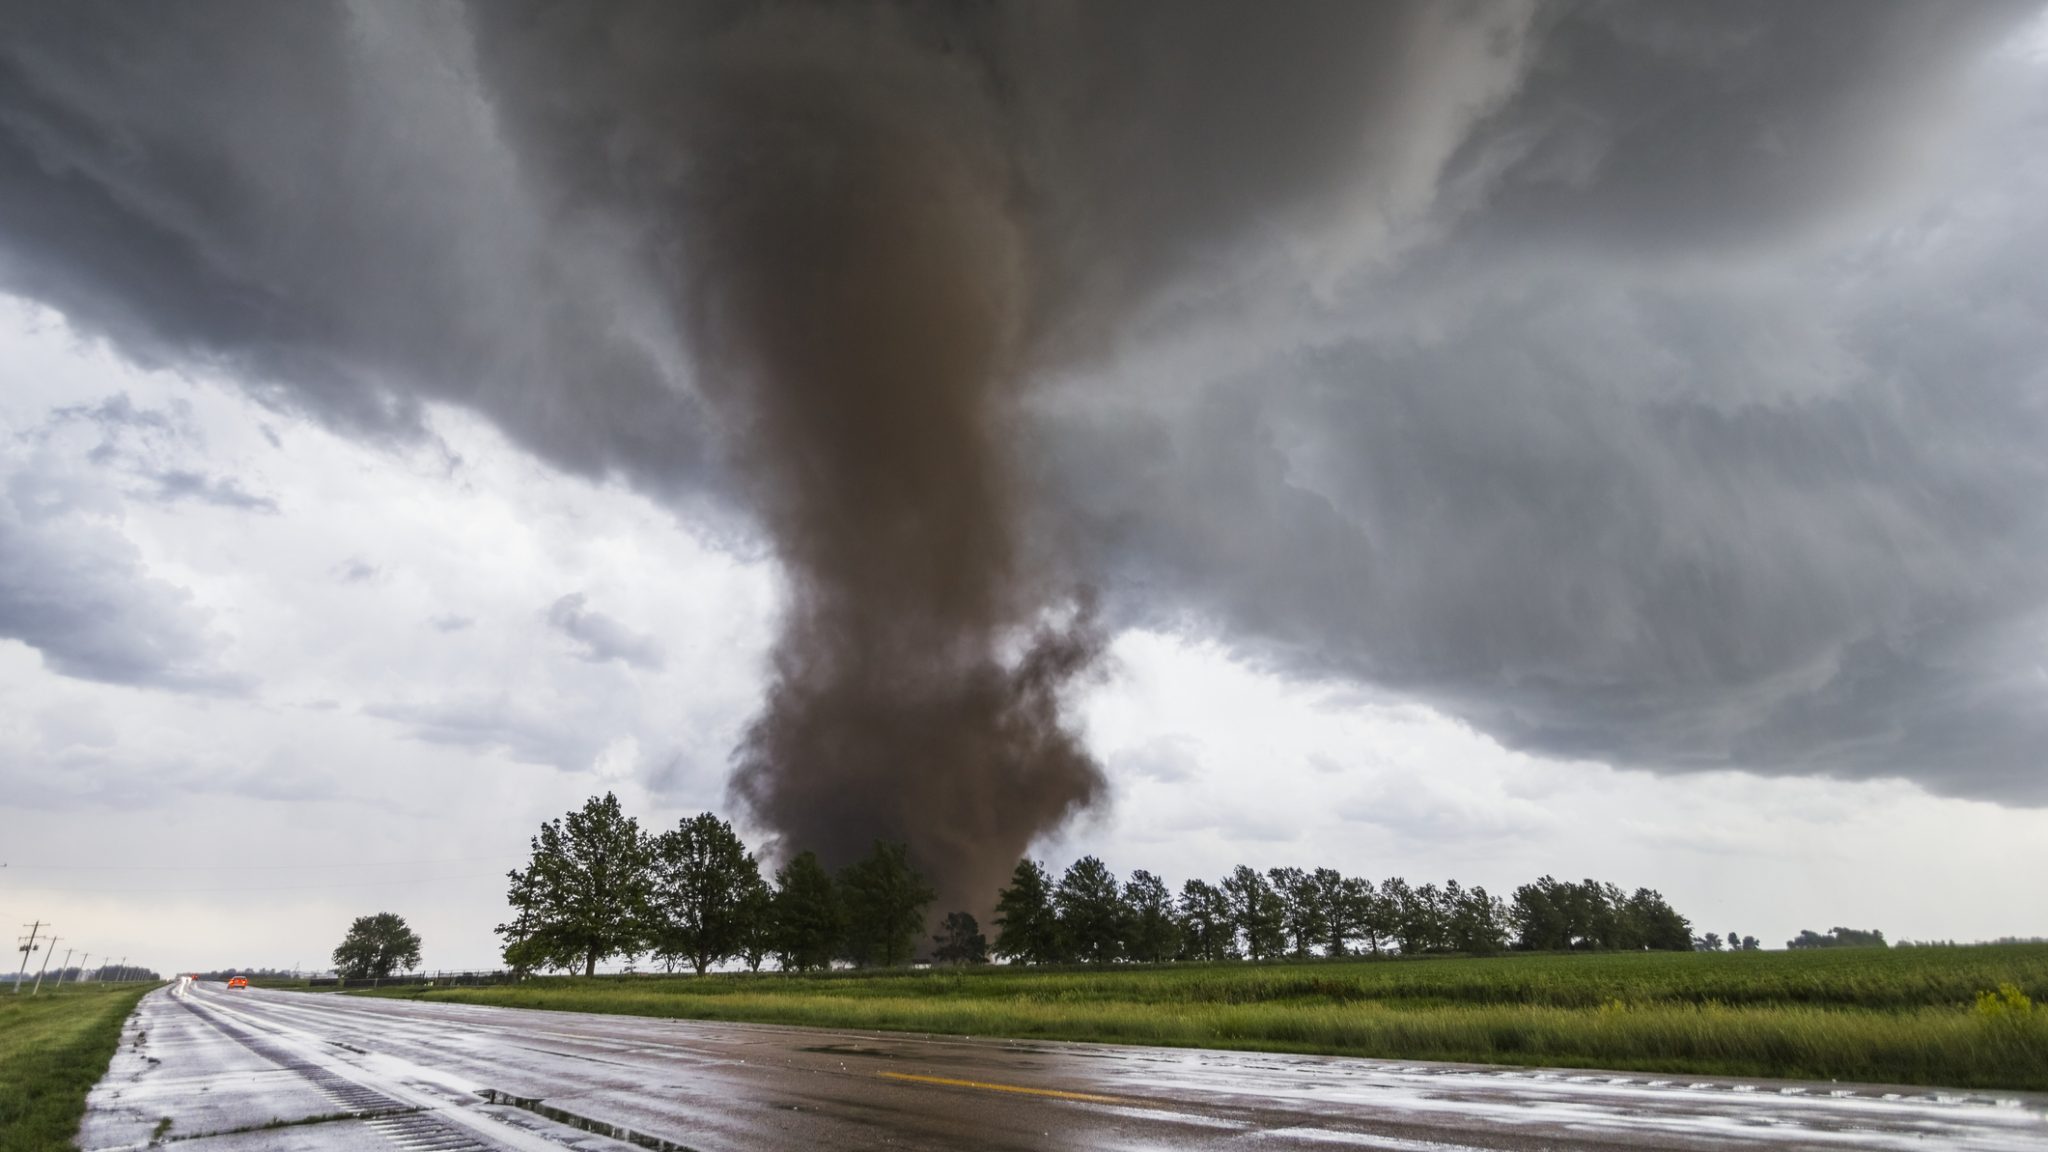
(880, 227)
(854, 283)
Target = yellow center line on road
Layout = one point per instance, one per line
(1018, 1089)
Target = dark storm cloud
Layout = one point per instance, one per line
(1654, 129)
(1780, 520)
(314, 200)
(1553, 381)
(603, 638)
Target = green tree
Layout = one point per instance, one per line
(1027, 927)
(1478, 922)
(1091, 911)
(1207, 931)
(375, 947)
(1542, 916)
(1326, 886)
(1600, 909)
(1256, 912)
(1303, 914)
(806, 922)
(1151, 931)
(960, 941)
(757, 922)
(1655, 924)
(703, 876)
(1551, 915)
(1838, 938)
(583, 895)
(885, 899)
(1405, 919)
(1425, 920)
(1365, 913)
(523, 952)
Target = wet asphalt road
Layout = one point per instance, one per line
(384, 1074)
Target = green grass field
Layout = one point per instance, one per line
(53, 1048)
(1906, 1016)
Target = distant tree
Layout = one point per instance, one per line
(1340, 924)
(1028, 928)
(1651, 923)
(1551, 915)
(959, 941)
(1371, 914)
(1838, 938)
(376, 946)
(1151, 930)
(1749, 944)
(583, 895)
(1542, 916)
(1711, 942)
(1303, 916)
(1417, 915)
(1602, 906)
(1477, 922)
(804, 914)
(885, 899)
(1256, 912)
(1397, 898)
(523, 950)
(703, 877)
(757, 922)
(1091, 910)
(1426, 920)
(1207, 931)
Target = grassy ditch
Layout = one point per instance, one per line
(53, 1048)
(1904, 1016)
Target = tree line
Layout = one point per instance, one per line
(1837, 938)
(596, 886)
(1089, 916)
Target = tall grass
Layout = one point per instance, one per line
(53, 1048)
(1906, 1016)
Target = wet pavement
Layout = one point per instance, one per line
(252, 1069)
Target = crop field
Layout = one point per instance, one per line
(53, 1048)
(1905, 1016)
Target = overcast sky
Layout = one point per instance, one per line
(1609, 443)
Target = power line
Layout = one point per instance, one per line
(28, 946)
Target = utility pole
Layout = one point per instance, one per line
(47, 949)
(67, 965)
(121, 969)
(81, 966)
(26, 948)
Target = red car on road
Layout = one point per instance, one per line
(238, 982)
